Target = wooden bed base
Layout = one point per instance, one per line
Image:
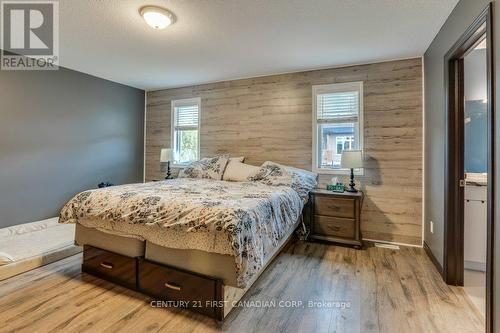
(172, 287)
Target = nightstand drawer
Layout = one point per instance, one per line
(331, 206)
(334, 227)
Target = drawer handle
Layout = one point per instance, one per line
(334, 228)
(106, 265)
(172, 286)
(337, 208)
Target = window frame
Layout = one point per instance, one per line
(173, 104)
(344, 139)
(316, 145)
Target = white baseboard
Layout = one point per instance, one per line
(393, 243)
(475, 265)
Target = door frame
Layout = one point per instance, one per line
(453, 259)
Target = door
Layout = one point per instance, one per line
(460, 110)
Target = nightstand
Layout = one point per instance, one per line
(336, 217)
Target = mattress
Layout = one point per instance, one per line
(33, 239)
(117, 243)
(31, 245)
(221, 266)
(38, 260)
(216, 265)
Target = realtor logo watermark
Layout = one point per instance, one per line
(30, 35)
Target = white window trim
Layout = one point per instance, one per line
(344, 140)
(328, 88)
(174, 103)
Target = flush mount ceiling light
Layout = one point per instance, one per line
(157, 17)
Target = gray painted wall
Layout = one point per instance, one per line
(62, 132)
(462, 16)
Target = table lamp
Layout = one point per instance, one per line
(167, 155)
(352, 159)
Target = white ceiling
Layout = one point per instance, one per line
(216, 40)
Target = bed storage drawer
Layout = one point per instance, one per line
(110, 266)
(199, 293)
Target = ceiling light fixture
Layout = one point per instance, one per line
(157, 17)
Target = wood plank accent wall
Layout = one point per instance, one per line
(270, 118)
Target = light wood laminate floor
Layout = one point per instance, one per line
(475, 289)
(384, 290)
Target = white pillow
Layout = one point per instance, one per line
(239, 159)
(5, 259)
(239, 172)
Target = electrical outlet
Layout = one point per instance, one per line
(432, 227)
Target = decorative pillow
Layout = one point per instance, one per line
(302, 181)
(239, 172)
(210, 167)
(273, 174)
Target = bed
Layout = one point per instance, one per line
(199, 240)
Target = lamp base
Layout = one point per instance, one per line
(351, 188)
(169, 175)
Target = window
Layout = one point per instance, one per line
(186, 130)
(344, 143)
(337, 124)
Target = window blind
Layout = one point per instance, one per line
(186, 115)
(338, 106)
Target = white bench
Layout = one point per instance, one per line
(27, 246)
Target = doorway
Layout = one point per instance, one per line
(469, 192)
(476, 174)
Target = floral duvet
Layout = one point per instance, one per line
(242, 216)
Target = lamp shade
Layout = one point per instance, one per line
(352, 159)
(166, 155)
